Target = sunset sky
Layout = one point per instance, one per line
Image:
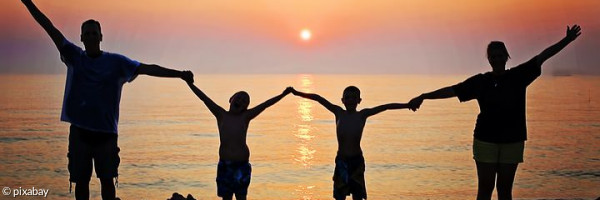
(351, 36)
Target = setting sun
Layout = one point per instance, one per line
(305, 34)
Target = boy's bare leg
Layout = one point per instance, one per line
(240, 197)
(228, 197)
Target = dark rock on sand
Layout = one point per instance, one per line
(177, 196)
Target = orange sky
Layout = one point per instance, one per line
(379, 36)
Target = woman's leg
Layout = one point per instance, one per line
(506, 177)
(486, 177)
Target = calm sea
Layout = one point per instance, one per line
(169, 140)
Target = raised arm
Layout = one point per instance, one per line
(53, 32)
(253, 112)
(315, 97)
(442, 93)
(158, 71)
(572, 34)
(215, 109)
(375, 110)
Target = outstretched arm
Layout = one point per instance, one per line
(158, 71)
(442, 93)
(215, 109)
(375, 110)
(572, 34)
(253, 112)
(55, 34)
(331, 107)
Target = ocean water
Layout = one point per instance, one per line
(169, 140)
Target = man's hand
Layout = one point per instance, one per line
(573, 32)
(188, 76)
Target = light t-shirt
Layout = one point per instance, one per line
(93, 87)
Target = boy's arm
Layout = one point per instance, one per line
(215, 109)
(40, 18)
(331, 107)
(376, 110)
(253, 112)
(572, 34)
(158, 71)
(442, 93)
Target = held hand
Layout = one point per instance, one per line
(573, 32)
(288, 90)
(415, 103)
(187, 76)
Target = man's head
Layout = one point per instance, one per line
(239, 102)
(351, 97)
(91, 33)
(497, 55)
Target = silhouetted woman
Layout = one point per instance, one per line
(500, 131)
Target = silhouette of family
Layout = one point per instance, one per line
(95, 79)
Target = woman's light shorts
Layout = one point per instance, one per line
(507, 153)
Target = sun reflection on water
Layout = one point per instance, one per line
(304, 135)
(304, 108)
(305, 192)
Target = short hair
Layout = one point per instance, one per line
(243, 93)
(497, 45)
(91, 21)
(351, 89)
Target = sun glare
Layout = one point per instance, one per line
(305, 34)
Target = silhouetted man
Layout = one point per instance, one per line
(95, 79)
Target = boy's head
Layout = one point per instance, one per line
(351, 97)
(239, 102)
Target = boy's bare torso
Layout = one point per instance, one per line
(233, 129)
(349, 129)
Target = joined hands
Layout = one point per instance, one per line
(188, 76)
(415, 103)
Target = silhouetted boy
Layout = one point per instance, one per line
(233, 171)
(348, 176)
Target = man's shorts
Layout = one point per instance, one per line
(233, 177)
(487, 152)
(85, 146)
(349, 177)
